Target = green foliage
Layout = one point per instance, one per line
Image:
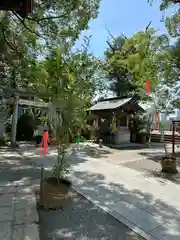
(118, 75)
(130, 62)
(170, 72)
(143, 123)
(172, 22)
(52, 25)
(80, 68)
(71, 85)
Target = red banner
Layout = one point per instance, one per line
(148, 86)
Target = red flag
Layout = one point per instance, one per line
(45, 142)
(148, 87)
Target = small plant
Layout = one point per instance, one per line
(68, 109)
(63, 120)
(141, 127)
(61, 133)
(60, 169)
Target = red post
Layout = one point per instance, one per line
(173, 137)
(45, 142)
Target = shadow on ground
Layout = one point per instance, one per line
(107, 192)
(17, 205)
(14, 168)
(128, 146)
(81, 219)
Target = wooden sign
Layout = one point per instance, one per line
(33, 103)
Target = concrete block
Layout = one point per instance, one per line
(6, 214)
(26, 232)
(5, 230)
(6, 199)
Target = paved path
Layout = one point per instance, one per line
(81, 219)
(149, 207)
(18, 215)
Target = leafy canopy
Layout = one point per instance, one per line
(131, 61)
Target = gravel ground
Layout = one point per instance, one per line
(82, 220)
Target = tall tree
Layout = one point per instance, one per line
(51, 25)
(119, 77)
(81, 67)
(172, 22)
(138, 59)
(172, 72)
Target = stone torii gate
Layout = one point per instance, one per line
(15, 114)
(6, 98)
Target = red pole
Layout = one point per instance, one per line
(156, 121)
(173, 137)
(45, 142)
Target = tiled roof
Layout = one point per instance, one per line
(110, 104)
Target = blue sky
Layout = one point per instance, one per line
(122, 16)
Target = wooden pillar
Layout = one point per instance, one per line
(2, 118)
(14, 122)
(97, 121)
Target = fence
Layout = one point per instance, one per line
(171, 135)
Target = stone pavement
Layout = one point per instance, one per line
(147, 206)
(18, 215)
(82, 220)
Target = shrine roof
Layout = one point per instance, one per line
(114, 103)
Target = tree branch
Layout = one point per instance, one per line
(111, 47)
(7, 42)
(26, 27)
(148, 26)
(124, 36)
(23, 23)
(38, 20)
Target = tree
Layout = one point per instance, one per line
(172, 72)
(119, 77)
(172, 22)
(72, 87)
(51, 25)
(170, 64)
(81, 65)
(52, 22)
(139, 58)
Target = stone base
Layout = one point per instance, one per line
(2, 142)
(54, 196)
(14, 145)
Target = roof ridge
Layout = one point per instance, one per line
(115, 98)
